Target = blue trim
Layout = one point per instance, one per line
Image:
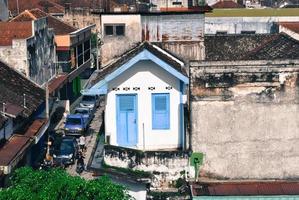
(144, 55)
(161, 123)
(182, 120)
(122, 140)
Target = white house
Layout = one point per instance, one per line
(145, 94)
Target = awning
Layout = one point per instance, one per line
(13, 151)
(244, 188)
(57, 82)
(37, 129)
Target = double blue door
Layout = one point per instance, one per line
(126, 119)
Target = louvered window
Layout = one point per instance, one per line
(160, 111)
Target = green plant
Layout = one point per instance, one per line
(56, 184)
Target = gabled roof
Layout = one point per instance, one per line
(151, 52)
(226, 4)
(251, 47)
(13, 87)
(45, 5)
(14, 30)
(59, 27)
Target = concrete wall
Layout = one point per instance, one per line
(245, 119)
(4, 10)
(169, 4)
(181, 34)
(114, 46)
(41, 53)
(234, 25)
(34, 56)
(166, 166)
(155, 77)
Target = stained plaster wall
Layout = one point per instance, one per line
(4, 10)
(245, 119)
(34, 56)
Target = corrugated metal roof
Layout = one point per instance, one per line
(295, 197)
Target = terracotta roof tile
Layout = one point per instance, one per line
(14, 85)
(226, 4)
(59, 27)
(14, 30)
(45, 5)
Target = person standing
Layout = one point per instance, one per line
(82, 143)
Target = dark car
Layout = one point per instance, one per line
(65, 152)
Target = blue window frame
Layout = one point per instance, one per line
(160, 111)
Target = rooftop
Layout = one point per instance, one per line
(157, 51)
(59, 27)
(46, 5)
(14, 87)
(251, 47)
(14, 30)
(244, 12)
(226, 4)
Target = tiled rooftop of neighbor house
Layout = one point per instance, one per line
(45, 5)
(59, 27)
(251, 47)
(293, 26)
(14, 30)
(157, 51)
(226, 4)
(13, 86)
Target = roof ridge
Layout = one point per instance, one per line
(21, 14)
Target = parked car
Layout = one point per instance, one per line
(75, 124)
(85, 112)
(90, 101)
(65, 151)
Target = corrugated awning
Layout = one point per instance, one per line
(245, 188)
(37, 129)
(57, 82)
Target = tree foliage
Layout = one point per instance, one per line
(56, 184)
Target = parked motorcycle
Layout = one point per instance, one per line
(80, 163)
(46, 165)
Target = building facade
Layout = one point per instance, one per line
(4, 10)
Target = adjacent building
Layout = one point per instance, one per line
(244, 107)
(29, 47)
(73, 50)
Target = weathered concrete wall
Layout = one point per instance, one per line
(234, 25)
(114, 46)
(3, 10)
(169, 4)
(165, 166)
(41, 53)
(181, 34)
(34, 56)
(245, 119)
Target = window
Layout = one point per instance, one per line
(177, 3)
(114, 29)
(221, 32)
(160, 111)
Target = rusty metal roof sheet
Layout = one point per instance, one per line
(57, 82)
(293, 26)
(14, 147)
(35, 127)
(245, 188)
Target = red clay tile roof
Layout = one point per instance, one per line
(293, 26)
(45, 5)
(245, 188)
(226, 4)
(59, 27)
(14, 30)
(16, 145)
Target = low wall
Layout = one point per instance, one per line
(166, 166)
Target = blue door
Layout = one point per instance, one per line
(126, 108)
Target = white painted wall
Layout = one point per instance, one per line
(146, 74)
(234, 25)
(114, 46)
